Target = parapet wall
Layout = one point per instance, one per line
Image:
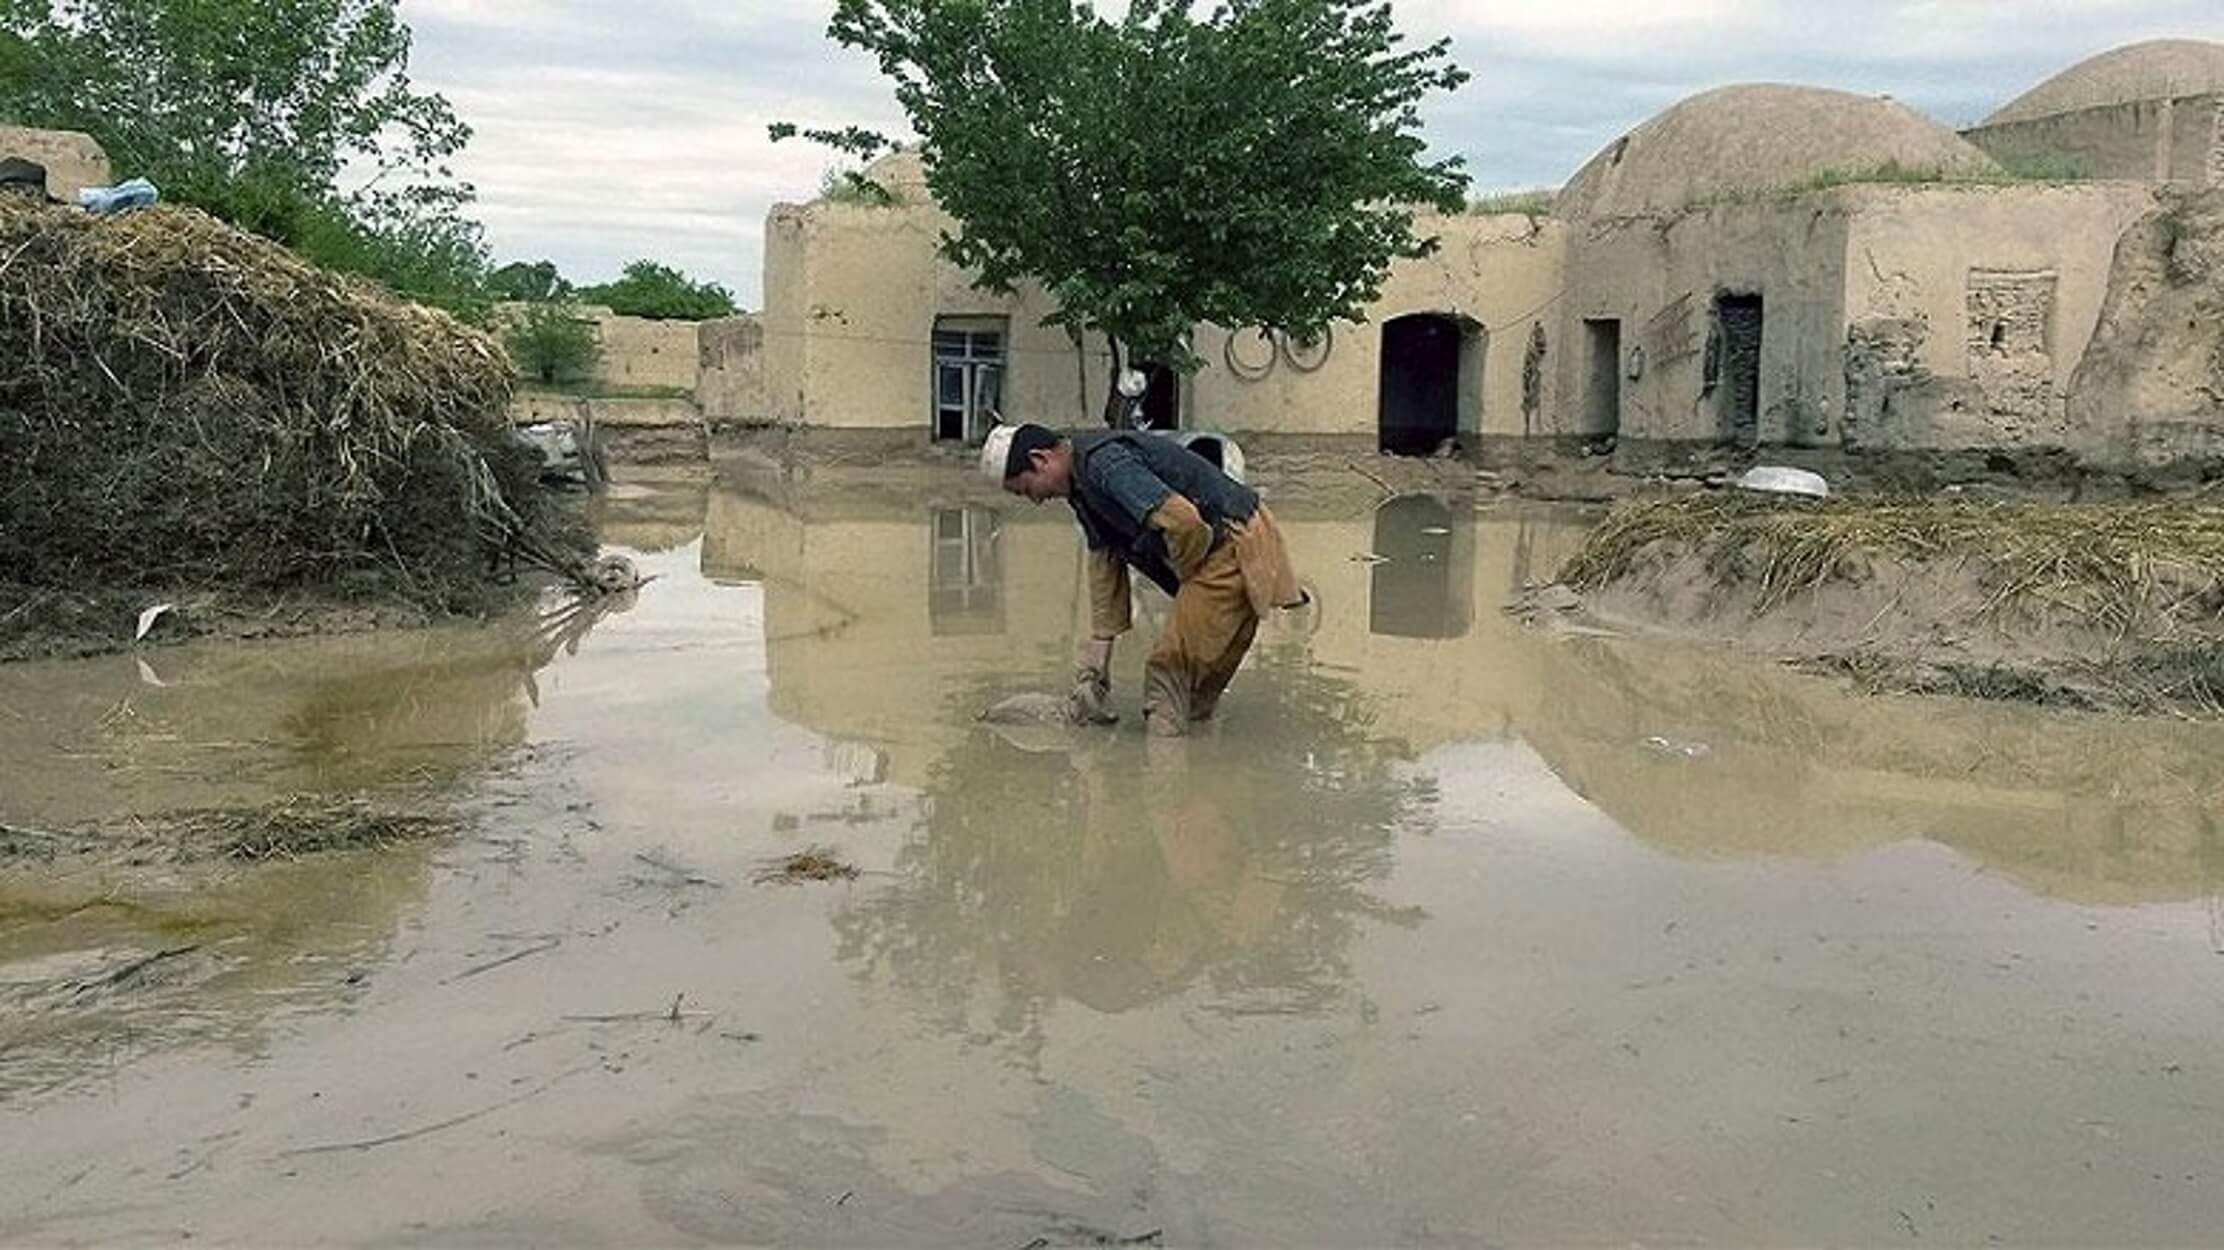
(638, 352)
(2179, 140)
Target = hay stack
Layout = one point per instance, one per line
(181, 402)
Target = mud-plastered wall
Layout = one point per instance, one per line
(644, 354)
(2118, 141)
(729, 357)
(852, 297)
(1727, 320)
(1968, 308)
(1492, 279)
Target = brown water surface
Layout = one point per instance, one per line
(1449, 932)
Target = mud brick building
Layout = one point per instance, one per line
(1758, 266)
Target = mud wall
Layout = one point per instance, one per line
(1679, 286)
(851, 297)
(729, 380)
(1495, 276)
(2143, 141)
(852, 294)
(73, 161)
(639, 352)
(1968, 308)
(636, 352)
(2149, 390)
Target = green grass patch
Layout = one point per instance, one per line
(2032, 171)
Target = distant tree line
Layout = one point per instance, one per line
(257, 112)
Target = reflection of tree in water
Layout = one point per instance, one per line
(1124, 871)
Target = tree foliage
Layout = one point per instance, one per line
(255, 110)
(553, 344)
(1257, 164)
(528, 282)
(648, 289)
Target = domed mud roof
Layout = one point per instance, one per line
(2161, 69)
(1756, 137)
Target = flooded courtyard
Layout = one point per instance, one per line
(1449, 931)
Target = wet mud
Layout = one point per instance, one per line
(1447, 931)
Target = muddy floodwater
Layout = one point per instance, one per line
(1451, 931)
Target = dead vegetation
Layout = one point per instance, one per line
(819, 863)
(288, 828)
(182, 403)
(2131, 597)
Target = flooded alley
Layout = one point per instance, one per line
(1450, 931)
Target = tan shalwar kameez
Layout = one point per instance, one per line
(1224, 594)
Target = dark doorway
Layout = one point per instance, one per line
(1737, 395)
(1419, 398)
(1602, 392)
(1425, 585)
(1162, 401)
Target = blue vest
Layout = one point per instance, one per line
(1114, 491)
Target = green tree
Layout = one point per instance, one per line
(528, 282)
(648, 289)
(552, 344)
(1257, 164)
(255, 110)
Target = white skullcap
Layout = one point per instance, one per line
(995, 451)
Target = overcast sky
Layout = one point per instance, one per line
(614, 129)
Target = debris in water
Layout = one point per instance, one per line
(288, 828)
(149, 617)
(820, 863)
(1368, 557)
(1681, 750)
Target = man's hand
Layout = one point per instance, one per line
(1090, 702)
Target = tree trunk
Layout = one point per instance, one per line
(1080, 373)
(1116, 405)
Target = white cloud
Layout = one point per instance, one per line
(612, 129)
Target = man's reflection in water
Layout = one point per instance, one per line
(1118, 873)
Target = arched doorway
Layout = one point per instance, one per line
(1161, 405)
(1431, 384)
(1425, 585)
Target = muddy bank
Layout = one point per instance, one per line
(2091, 606)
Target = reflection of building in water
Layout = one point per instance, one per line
(2086, 808)
(871, 607)
(964, 593)
(1424, 586)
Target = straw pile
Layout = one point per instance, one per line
(2114, 605)
(184, 403)
(2154, 570)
